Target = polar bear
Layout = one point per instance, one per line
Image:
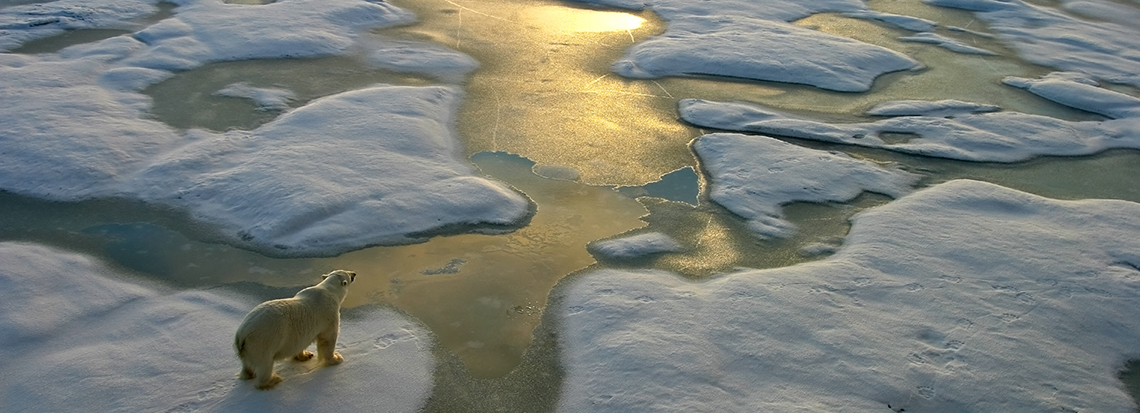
(279, 329)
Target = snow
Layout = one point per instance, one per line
(636, 246)
(962, 297)
(1081, 92)
(388, 168)
(753, 40)
(760, 49)
(911, 23)
(417, 57)
(204, 31)
(21, 23)
(265, 98)
(940, 108)
(984, 137)
(1052, 38)
(78, 336)
(946, 43)
(754, 176)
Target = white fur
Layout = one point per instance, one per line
(284, 328)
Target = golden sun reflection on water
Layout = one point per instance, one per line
(545, 90)
(562, 19)
(483, 295)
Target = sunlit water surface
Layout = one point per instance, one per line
(544, 114)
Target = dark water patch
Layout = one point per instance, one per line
(1131, 378)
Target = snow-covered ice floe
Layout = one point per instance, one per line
(380, 165)
(951, 129)
(753, 40)
(1104, 48)
(754, 176)
(371, 166)
(965, 296)
(78, 337)
(635, 246)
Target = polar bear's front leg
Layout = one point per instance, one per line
(326, 346)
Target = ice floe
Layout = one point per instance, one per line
(989, 137)
(946, 43)
(79, 337)
(21, 23)
(760, 49)
(961, 297)
(753, 40)
(754, 176)
(1078, 91)
(636, 246)
(371, 166)
(1052, 38)
(265, 98)
(378, 165)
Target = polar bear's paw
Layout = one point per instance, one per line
(269, 384)
(304, 355)
(336, 359)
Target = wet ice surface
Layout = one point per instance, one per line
(962, 296)
(334, 162)
(104, 342)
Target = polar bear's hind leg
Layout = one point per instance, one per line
(304, 355)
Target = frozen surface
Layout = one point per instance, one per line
(753, 40)
(940, 108)
(1078, 91)
(78, 338)
(208, 30)
(754, 176)
(911, 23)
(942, 132)
(946, 43)
(1052, 38)
(962, 297)
(416, 57)
(760, 49)
(636, 246)
(265, 98)
(21, 23)
(378, 165)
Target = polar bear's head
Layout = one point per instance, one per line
(342, 277)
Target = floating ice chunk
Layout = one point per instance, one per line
(203, 32)
(1104, 10)
(984, 137)
(946, 43)
(635, 246)
(1077, 91)
(379, 165)
(1048, 37)
(759, 49)
(963, 294)
(266, 98)
(64, 137)
(21, 23)
(754, 176)
(913, 24)
(942, 108)
(78, 337)
(776, 10)
(402, 56)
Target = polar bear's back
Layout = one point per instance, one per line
(284, 327)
